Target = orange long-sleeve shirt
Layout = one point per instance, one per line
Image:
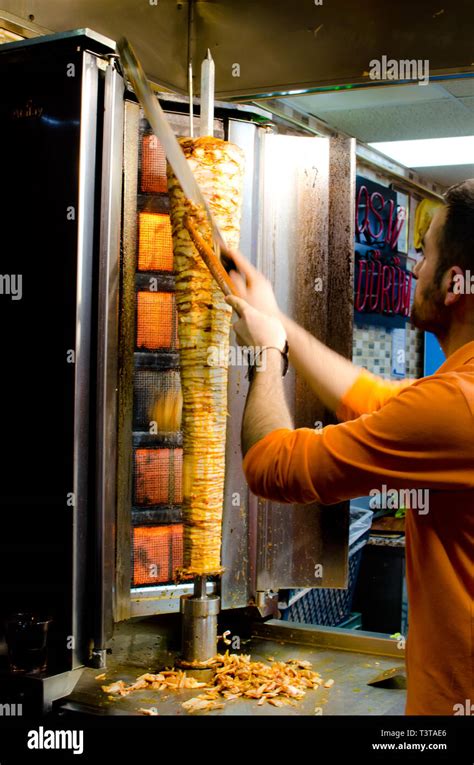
(418, 434)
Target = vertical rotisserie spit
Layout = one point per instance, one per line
(203, 330)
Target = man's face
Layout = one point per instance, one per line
(429, 311)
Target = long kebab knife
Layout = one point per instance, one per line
(161, 128)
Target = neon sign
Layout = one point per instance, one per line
(382, 284)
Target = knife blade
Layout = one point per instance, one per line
(162, 129)
(390, 678)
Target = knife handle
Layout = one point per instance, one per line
(211, 260)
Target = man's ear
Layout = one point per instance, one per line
(455, 285)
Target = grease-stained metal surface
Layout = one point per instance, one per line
(340, 301)
(107, 354)
(270, 46)
(294, 204)
(338, 288)
(126, 363)
(236, 585)
(310, 259)
(145, 648)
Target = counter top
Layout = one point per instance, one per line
(328, 650)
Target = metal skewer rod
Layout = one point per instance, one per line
(190, 91)
(207, 95)
(200, 583)
(206, 126)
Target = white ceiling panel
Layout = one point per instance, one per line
(363, 98)
(447, 176)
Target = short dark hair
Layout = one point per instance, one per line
(456, 240)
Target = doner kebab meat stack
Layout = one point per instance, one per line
(203, 329)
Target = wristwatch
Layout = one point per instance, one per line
(284, 353)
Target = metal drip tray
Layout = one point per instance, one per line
(350, 658)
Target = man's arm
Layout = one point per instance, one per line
(266, 409)
(422, 439)
(329, 375)
(346, 389)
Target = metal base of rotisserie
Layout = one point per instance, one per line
(199, 625)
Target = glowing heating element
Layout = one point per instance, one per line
(157, 324)
(157, 553)
(158, 476)
(153, 167)
(155, 245)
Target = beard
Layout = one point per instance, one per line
(429, 312)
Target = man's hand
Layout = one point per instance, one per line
(252, 285)
(329, 375)
(254, 328)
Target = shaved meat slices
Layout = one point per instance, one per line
(203, 330)
(235, 676)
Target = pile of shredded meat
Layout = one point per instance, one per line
(235, 676)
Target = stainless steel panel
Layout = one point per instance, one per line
(235, 582)
(235, 590)
(359, 641)
(248, 136)
(298, 543)
(342, 194)
(126, 363)
(158, 32)
(85, 232)
(293, 540)
(107, 353)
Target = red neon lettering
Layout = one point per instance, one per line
(401, 214)
(407, 296)
(361, 229)
(386, 289)
(397, 283)
(376, 211)
(360, 305)
(390, 220)
(373, 278)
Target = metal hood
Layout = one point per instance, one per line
(264, 47)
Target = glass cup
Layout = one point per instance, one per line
(27, 635)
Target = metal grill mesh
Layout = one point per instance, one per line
(150, 392)
(155, 248)
(158, 476)
(157, 553)
(157, 550)
(153, 166)
(157, 321)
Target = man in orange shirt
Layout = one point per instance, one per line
(416, 436)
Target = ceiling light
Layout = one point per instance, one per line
(6, 36)
(429, 152)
